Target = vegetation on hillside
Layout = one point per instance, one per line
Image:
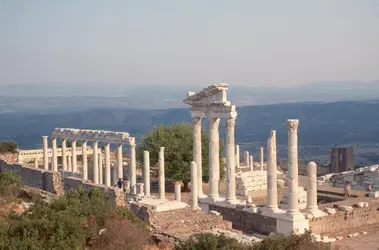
(8, 147)
(72, 221)
(177, 140)
(10, 183)
(210, 241)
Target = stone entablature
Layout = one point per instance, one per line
(38, 153)
(94, 135)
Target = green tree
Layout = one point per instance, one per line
(8, 147)
(177, 140)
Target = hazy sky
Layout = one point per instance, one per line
(244, 42)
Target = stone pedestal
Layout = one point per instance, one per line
(45, 157)
(214, 159)
(146, 172)
(272, 192)
(230, 162)
(140, 191)
(74, 159)
(95, 162)
(312, 207)
(247, 158)
(107, 165)
(237, 156)
(54, 154)
(197, 156)
(127, 186)
(162, 175)
(64, 155)
(132, 175)
(84, 160)
(194, 197)
(262, 158)
(178, 191)
(286, 224)
(120, 173)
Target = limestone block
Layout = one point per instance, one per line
(374, 194)
(362, 204)
(213, 212)
(345, 208)
(330, 210)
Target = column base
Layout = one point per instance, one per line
(212, 199)
(232, 201)
(202, 196)
(315, 213)
(291, 223)
(267, 211)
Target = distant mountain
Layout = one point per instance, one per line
(322, 125)
(78, 97)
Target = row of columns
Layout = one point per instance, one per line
(248, 159)
(97, 161)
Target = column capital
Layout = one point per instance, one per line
(45, 136)
(196, 120)
(292, 126)
(214, 123)
(230, 123)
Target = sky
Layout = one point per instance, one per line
(198, 42)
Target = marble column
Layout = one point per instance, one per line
(272, 192)
(162, 175)
(45, 157)
(36, 162)
(312, 188)
(74, 158)
(230, 161)
(54, 154)
(247, 158)
(214, 159)
(196, 151)
(194, 197)
(132, 175)
(64, 155)
(237, 157)
(146, 171)
(114, 171)
(69, 163)
(292, 178)
(84, 160)
(251, 163)
(101, 176)
(95, 162)
(262, 158)
(107, 164)
(120, 173)
(178, 190)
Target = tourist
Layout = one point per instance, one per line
(347, 189)
(369, 188)
(119, 183)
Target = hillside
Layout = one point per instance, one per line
(321, 125)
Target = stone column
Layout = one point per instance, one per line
(292, 179)
(214, 160)
(272, 192)
(230, 162)
(262, 158)
(120, 173)
(36, 162)
(101, 176)
(107, 164)
(194, 197)
(197, 156)
(312, 188)
(132, 175)
(69, 163)
(247, 158)
(45, 157)
(95, 162)
(74, 158)
(251, 163)
(114, 171)
(161, 175)
(237, 157)
(64, 155)
(178, 190)
(146, 172)
(84, 160)
(54, 154)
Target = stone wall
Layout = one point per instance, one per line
(250, 181)
(246, 221)
(50, 181)
(346, 221)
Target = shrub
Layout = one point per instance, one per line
(8, 147)
(10, 183)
